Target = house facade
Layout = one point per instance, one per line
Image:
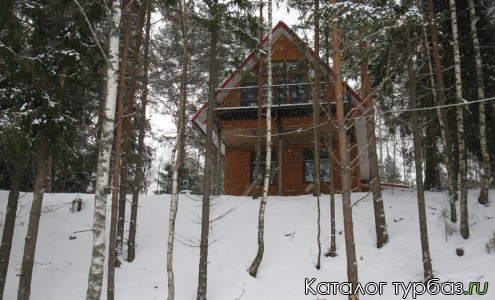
(293, 134)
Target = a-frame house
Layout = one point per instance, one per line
(293, 136)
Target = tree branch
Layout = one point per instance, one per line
(93, 33)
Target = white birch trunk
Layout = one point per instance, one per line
(95, 277)
(486, 172)
(176, 155)
(253, 270)
(460, 125)
(174, 201)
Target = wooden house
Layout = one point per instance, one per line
(293, 64)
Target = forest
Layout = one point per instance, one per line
(82, 80)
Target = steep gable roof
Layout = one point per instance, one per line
(281, 29)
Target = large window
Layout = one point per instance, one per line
(309, 166)
(273, 167)
(289, 80)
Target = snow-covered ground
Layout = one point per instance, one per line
(64, 248)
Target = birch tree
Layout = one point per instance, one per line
(95, 277)
(486, 172)
(253, 269)
(174, 201)
(460, 125)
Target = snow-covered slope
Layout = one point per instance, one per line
(62, 261)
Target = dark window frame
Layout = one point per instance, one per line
(261, 175)
(308, 166)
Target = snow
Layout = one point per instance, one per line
(62, 262)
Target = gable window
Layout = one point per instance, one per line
(309, 166)
(249, 94)
(273, 167)
(290, 82)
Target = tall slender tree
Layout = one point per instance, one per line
(174, 201)
(253, 269)
(380, 220)
(486, 172)
(352, 268)
(208, 170)
(112, 258)
(10, 216)
(259, 98)
(127, 128)
(460, 124)
(24, 290)
(442, 114)
(95, 277)
(131, 251)
(316, 129)
(423, 226)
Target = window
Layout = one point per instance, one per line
(273, 167)
(309, 169)
(249, 94)
(289, 81)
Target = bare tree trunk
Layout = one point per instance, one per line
(95, 276)
(442, 114)
(380, 221)
(332, 251)
(175, 156)
(131, 250)
(112, 257)
(486, 172)
(260, 110)
(316, 126)
(253, 269)
(423, 226)
(127, 130)
(24, 290)
(460, 125)
(10, 216)
(208, 171)
(352, 270)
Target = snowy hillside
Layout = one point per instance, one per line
(64, 248)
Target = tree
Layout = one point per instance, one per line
(208, 173)
(486, 174)
(391, 173)
(460, 125)
(95, 277)
(316, 126)
(442, 118)
(380, 221)
(131, 252)
(423, 226)
(352, 270)
(127, 128)
(24, 290)
(175, 155)
(253, 269)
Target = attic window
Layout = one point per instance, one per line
(249, 94)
